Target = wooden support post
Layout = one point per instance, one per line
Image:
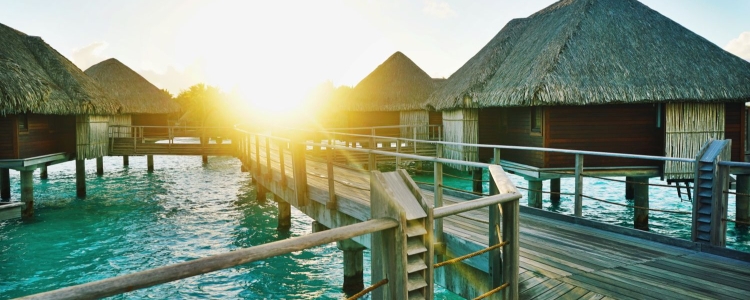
(331, 204)
(27, 193)
(495, 256)
(353, 266)
(299, 169)
(743, 200)
(640, 193)
(80, 178)
(43, 174)
(282, 166)
(285, 214)
(125, 161)
(261, 193)
(476, 176)
(150, 163)
(578, 209)
(317, 227)
(510, 212)
(398, 150)
(535, 193)
(99, 166)
(629, 194)
(204, 159)
(4, 184)
(554, 188)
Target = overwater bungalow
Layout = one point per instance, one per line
(599, 75)
(391, 95)
(143, 104)
(50, 111)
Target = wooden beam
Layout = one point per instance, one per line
(150, 163)
(743, 200)
(629, 194)
(640, 194)
(284, 215)
(535, 193)
(27, 194)
(80, 178)
(578, 209)
(554, 188)
(4, 184)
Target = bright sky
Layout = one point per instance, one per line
(279, 49)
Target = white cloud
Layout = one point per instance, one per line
(89, 55)
(740, 46)
(438, 9)
(175, 80)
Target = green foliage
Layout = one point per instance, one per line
(206, 105)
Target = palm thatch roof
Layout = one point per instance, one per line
(135, 93)
(34, 78)
(397, 84)
(579, 52)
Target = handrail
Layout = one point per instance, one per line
(449, 210)
(127, 283)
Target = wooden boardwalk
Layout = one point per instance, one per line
(131, 146)
(558, 260)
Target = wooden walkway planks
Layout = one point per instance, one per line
(562, 260)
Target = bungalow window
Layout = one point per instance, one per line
(537, 115)
(23, 123)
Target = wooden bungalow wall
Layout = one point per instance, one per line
(120, 120)
(630, 128)
(509, 126)
(8, 141)
(420, 118)
(375, 118)
(92, 137)
(735, 129)
(46, 134)
(461, 126)
(151, 120)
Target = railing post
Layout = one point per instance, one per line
(331, 204)
(414, 129)
(510, 212)
(299, 167)
(282, 165)
(268, 159)
(438, 201)
(495, 221)
(372, 162)
(398, 150)
(579, 186)
(257, 155)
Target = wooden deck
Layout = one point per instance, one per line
(127, 146)
(558, 260)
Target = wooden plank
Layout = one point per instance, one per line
(689, 282)
(556, 292)
(575, 293)
(538, 289)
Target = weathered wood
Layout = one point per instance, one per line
(389, 251)
(4, 184)
(535, 193)
(150, 163)
(100, 166)
(477, 183)
(125, 161)
(640, 193)
(438, 199)
(284, 216)
(282, 165)
(331, 204)
(143, 279)
(743, 200)
(579, 186)
(261, 193)
(353, 265)
(629, 194)
(80, 178)
(43, 174)
(299, 167)
(554, 188)
(27, 193)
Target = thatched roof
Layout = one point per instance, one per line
(34, 78)
(135, 93)
(397, 84)
(579, 52)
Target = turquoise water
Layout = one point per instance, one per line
(133, 221)
(664, 198)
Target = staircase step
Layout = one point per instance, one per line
(415, 246)
(416, 295)
(705, 193)
(704, 219)
(415, 230)
(704, 228)
(415, 281)
(706, 210)
(707, 167)
(707, 176)
(706, 184)
(704, 237)
(415, 263)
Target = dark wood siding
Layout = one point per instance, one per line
(151, 120)
(8, 141)
(47, 134)
(372, 119)
(607, 128)
(436, 118)
(509, 126)
(734, 128)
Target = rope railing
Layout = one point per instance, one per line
(735, 221)
(470, 255)
(492, 292)
(546, 192)
(639, 207)
(630, 181)
(737, 193)
(452, 188)
(368, 290)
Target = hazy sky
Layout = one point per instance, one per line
(281, 48)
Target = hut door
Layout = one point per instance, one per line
(688, 126)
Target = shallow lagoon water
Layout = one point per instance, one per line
(133, 221)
